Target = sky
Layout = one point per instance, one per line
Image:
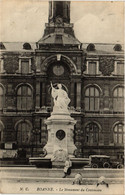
(94, 21)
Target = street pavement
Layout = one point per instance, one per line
(31, 180)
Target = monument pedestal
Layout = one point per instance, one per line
(60, 127)
(60, 143)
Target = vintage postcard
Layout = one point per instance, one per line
(62, 97)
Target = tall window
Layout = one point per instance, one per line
(118, 99)
(1, 97)
(23, 132)
(59, 7)
(92, 68)
(24, 98)
(92, 133)
(92, 96)
(25, 67)
(118, 133)
(119, 68)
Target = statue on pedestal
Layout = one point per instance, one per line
(60, 126)
(61, 99)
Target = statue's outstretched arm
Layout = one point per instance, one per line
(51, 84)
(54, 91)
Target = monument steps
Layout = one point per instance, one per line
(68, 180)
(32, 172)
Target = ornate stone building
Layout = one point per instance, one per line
(92, 74)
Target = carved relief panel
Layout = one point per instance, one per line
(106, 65)
(11, 64)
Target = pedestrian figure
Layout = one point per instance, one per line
(67, 167)
(78, 179)
(101, 181)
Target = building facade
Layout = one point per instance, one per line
(92, 74)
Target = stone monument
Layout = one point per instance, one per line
(60, 126)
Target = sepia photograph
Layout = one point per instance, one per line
(62, 97)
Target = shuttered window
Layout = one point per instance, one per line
(118, 99)
(92, 133)
(23, 133)
(24, 98)
(119, 133)
(92, 99)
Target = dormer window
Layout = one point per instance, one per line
(2, 46)
(58, 39)
(25, 65)
(118, 47)
(27, 46)
(91, 47)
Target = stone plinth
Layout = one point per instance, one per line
(60, 143)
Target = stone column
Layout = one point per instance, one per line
(106, 131)
(38, 63)
(20, 65)
(78, 101)
(43, 132)
(50, 9)
(106, 98)
(65, 10)
(37, 95)
(30, 64)
(72, 94)
(43, 94)
(54, 9)
(2, 65)
(10, 96)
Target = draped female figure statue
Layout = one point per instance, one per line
(61, 99)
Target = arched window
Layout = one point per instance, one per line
(24, 98)
(92, 97)
(118, 132)
(1, 97)
(118, 99)
(23, 132)
(92, 133)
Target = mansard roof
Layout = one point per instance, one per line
(18, 46)
(100, 48)
(64, 39)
